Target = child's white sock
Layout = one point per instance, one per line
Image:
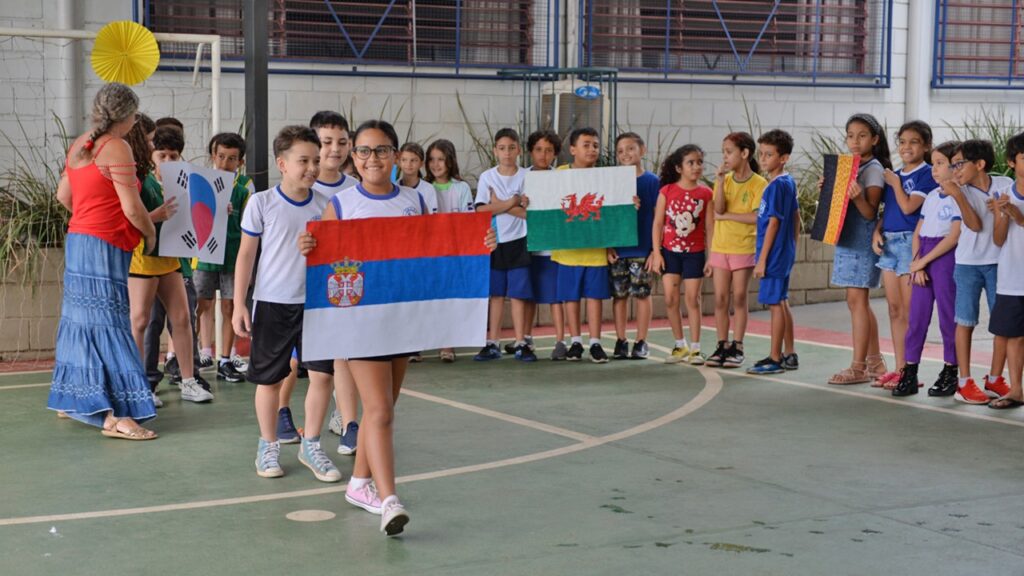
(679, 343)
(529, 339)
(695, 347)
(170, 355)
(357, 483)
(963, 381)
(209, 351)
(575, 340)
(391, 498)
(992, 377)
(521, 342)
(234, 352)
(491, 342)
(595, 341)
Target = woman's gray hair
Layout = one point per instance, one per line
(114, 103)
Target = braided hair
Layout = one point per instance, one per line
(114, 103)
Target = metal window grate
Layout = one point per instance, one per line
(471, 33)
(979, 44)
(810, 41)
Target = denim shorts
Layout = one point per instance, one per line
(855, 268)
(969, 280)
(897, 252)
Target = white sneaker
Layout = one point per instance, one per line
(193, 392)
(335, 424)
(393, 516)
(240, 364)
(157, 402)
(205, 361)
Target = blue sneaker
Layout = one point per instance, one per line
(286, 432)
(525, 354)
(488, 352)
(313, 456)
(766, 366)
(267, 456)
(347, 444)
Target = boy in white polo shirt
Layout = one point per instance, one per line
(1008, 316)
(500, 191)
(274, 219)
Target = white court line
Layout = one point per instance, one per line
(846, 391)
(712, 386)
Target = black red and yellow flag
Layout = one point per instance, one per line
(839, 170)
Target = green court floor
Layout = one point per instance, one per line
(634, 467)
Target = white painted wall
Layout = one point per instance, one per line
(426, 108)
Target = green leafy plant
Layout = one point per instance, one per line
(31, 218)
(994, 126)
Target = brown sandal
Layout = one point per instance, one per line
(851, 375)
(127, 432)
(876, 365)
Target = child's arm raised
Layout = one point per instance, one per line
(970, 217)
(908, 204)
(1001, 226)
(241, 320)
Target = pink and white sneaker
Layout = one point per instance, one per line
(999, 387)
(365, 497)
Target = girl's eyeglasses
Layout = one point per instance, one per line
(381, 152)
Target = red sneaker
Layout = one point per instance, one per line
(970, 393)
(999, 387)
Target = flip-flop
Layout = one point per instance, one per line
(137, 434)
(1005, 403)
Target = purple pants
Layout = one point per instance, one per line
(941, 290)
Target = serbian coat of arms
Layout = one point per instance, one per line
(345, 286)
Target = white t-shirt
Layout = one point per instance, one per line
(1010, 276)
(429, 194)
(356, 203)
(937, 213)
(277, 221)
(509, 227)
(329, 189)
(457, 198)
(977, 248)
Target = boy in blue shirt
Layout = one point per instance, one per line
(777, 227)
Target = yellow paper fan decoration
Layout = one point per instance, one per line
(125, 52)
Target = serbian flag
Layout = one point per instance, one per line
(381, 286)
(589, 208)
(839, 171)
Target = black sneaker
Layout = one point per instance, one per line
(640, 351)
(790, 362)
(947, 383)
(717, 357)
(575, 353)
(510, 348)
(203, 383)
(227, 371)
(621, 351)
(172, 371)
(734, 356)
(488, 352)
(908, 381)
(597, 354)
(525, 354)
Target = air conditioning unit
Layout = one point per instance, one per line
(567, 105)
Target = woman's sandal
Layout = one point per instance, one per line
(851, 375)
(128, 432)
(887, 380)
(1005, 403)
(876, 367)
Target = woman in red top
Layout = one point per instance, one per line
(98, 378)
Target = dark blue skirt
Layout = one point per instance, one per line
(98, 368)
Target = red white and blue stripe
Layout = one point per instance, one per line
(382, 286)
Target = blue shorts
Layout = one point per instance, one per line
(576, 282)
(689, 265)
(773, 291)
(897, 252)
(855, 268)
(512, 283)
(969, 280)
(544, 276)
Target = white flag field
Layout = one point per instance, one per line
(199, 227)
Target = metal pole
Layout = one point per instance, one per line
(254, 26)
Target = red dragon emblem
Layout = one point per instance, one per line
(582, 208)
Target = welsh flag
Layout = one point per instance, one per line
(590, 208)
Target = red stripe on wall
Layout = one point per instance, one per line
(373, 239)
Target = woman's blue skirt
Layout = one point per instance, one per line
(98, 368)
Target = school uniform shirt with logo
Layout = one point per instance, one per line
(328, 189)
(356, 203)
(429, 194)
(733, 237)
(977, 248)
(938, 212)
(917, 182)
(1010, 276)
(778, 201)
(685, 215)
(277, 221)
(454, 196)
(508, 227)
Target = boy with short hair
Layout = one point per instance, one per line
(777, 229)
(500, 192)
(628, 265)
(275, 219)
(335, 146)
(1007, 321)
(977, 258)
(583, 272)
(227, 152)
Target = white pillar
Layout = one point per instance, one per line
(920, 27)
(69, 87)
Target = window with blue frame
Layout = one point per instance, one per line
(471, 33)
(813, 42)
(979, 44)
